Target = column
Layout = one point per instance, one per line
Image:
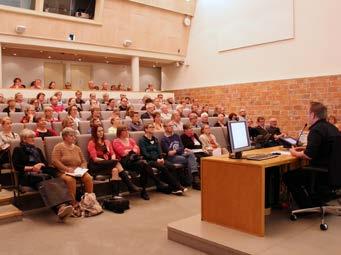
(135, 73)
(1, 85)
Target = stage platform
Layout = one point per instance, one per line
(282, 236)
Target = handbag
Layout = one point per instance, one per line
(89, 205)
(116, 204)
(54, 192)
(131, 158)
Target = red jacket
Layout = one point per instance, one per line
(122, 150)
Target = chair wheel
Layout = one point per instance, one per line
(324, 226)
(293, 217)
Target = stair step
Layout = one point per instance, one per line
(6, 197)
(9, 213)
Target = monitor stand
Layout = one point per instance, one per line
(237, 155)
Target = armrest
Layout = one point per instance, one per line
(315, 169)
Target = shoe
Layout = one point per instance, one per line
(144, 195)
(184, 189)
(64, 211)
(76, 211)
(131, 186)
(196, 182)
(178, 192)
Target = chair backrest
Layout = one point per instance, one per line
(136, 135)
(86, 107)
(147, 121)
(197, 131)
(85, 115)
(106, 114)
(3, 114)
(210, 112)
(212, 121)
(17, 127)
(334, 169)
(185, 121)
(62, 115)
(219, 135)
(57, 126)
(103, 107)
(159, 135)
(122, 114)
(110, 137)
(126, 122)
(106, 125)
(31, 126)
(50, 142)
(82, 142)
(16, 116)
(84, 127)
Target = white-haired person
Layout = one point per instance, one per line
(204, 119)
(176, 121)
(30, 163)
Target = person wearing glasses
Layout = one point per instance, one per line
(151, 152)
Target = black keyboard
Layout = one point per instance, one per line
(261, 156)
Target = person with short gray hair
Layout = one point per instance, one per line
(29, 161)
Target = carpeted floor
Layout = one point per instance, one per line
(141, 230)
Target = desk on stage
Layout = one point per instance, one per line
(233, 190)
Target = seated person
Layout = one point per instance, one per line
(59, 96)
(150, 107)
(111, 105)
(332, 120)
(130, 113)
(242, 114)
(151, 152)
(36, 84)
(41, 130)
(105, 98)
(128, 153)
(72, 102)
(32, 167)
(73, 113)
(158, 125)
(103, 161)
(11, 106)
(176, 121)
(2, 99)
(19, 100)
(6, 136)
(220, 121)
(165, 114)
(17, 84)
(146, 101)
(317, 151)
(70, 123)
(123, 104)
(55, 106)
(193, 120)
(41, 101)
(261, 135)
(34, 102)
(115, 123)
(176, 154)
(136, 123)
(105, 86)
(66, 157)
(218, 110)
(95, 114)
(67, 85)
(79, 99)
(233, 117)
(204, 119)
(49, 115)
(52, 85)
(157, 104)
(209, 142)
(29, 116)
(275, 132)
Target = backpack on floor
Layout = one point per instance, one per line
(116, 204)
(89, 205)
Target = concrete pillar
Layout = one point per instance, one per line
(135, 73)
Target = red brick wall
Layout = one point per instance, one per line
(287, 100)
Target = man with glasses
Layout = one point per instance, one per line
(151, 151)
(171, 144)
(150, 107)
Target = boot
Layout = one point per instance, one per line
(131, 186)
(115, 188)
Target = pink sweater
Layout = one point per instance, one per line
(122, 149)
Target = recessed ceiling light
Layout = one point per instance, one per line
(76, 54)
(41, 51)
(79, 59)
(49, 57)
(105, 57)
(154, 65)
(14, 54)
(4, 48)
(107, 62)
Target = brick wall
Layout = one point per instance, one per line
(287, 100)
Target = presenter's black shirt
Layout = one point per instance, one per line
(320, 139)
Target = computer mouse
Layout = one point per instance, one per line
(276, 153)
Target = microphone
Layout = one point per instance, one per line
(298, 138)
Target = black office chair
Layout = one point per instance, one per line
(334, 183)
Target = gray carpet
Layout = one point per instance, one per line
(141, 230)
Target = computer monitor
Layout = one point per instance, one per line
(238, 137)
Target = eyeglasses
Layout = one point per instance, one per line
(151, 127)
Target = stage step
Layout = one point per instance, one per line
(9, 213)
(6, 197)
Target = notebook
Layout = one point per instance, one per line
(78, 172)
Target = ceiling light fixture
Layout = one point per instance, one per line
(49, 57)
(14, 54)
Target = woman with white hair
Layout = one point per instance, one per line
(6, 136)
(30, 163)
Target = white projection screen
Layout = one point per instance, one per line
(254, 22)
